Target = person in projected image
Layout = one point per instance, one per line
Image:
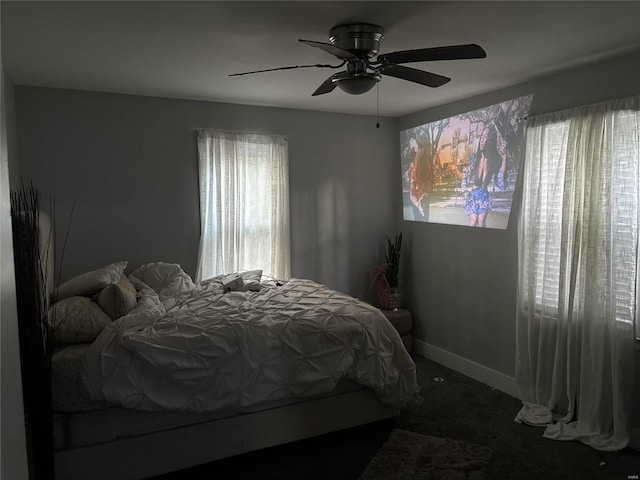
(492, 164)
(478, 204)
(421, 183)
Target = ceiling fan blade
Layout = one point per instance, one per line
(330, 48)
(326, 87)
(413, 75)
(318, 65)
(452, 52)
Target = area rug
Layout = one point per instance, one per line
(412, 456)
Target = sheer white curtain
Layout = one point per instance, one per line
(578, 273)
(244, 204)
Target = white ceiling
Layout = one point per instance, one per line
(187, 49)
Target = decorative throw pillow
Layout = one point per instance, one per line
(90, 283)
(76, 320)
(118, 299)
(251, 281)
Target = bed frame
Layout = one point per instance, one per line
(135, 457)
(151, 454)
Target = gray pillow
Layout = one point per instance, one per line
(76, 320)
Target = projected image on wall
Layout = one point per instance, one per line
(463, 170)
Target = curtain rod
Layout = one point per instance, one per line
(237, 132)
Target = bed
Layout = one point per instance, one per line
(152, 373)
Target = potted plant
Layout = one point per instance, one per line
(386, 276)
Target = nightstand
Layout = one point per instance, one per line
(402, 320)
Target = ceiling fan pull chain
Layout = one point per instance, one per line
(378, 105)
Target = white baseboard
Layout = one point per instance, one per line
(478, 372)
(485, 375)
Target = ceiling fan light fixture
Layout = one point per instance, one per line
(361, 39)
(356, 83)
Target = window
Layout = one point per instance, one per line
(578, 272)
(244, 204)
(546, 163)
(580, 216)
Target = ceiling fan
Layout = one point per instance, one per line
(357, 45)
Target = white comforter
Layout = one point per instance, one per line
(195, 348)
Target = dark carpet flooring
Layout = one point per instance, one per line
(457, 407)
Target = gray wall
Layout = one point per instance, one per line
(462, 281)
(13, 453)
(10, 143)
(130, 165)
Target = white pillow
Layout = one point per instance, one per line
(251, 281)
(76, 320)
(166, 279)
(92, 282)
